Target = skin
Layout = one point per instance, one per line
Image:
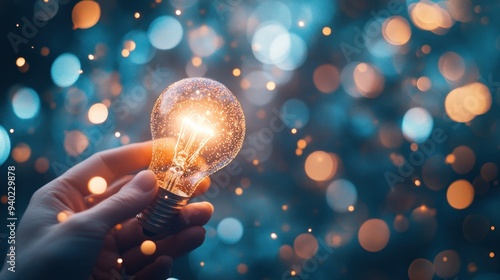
(88, 243)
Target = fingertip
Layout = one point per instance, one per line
(146, 180)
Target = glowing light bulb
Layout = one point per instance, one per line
(198, 127)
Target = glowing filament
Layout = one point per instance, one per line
(192, 138)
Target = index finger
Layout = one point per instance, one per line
(110, 165)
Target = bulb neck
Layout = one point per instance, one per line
(161, 214)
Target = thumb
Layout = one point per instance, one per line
(130, 200)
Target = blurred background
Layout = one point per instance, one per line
(372, 145)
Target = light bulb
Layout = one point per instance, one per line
(198, 127)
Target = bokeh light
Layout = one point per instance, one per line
(417, 124)
(373, 235)
(465, 103)
(21, 152)
(97, 185)
(65, 70)
(230, 230)
(396, 30)
(305, 245)
(321, 166)
(75, 142)
(341, 194)
(165, 32)
(148, 247)
(464, 159)
(98, 113)
(421, 269)
(326, 78)
(86, 14)
(203, 41)
(460, 194)
(447, 264)
(26, 103)
(4, 145)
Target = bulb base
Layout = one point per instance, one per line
(160, 215)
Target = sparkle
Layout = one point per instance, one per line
(417, 183)
(178, 12)
(492, 227)
(301, 23)
(91, 57)
(11, 130)
(119, 260)
(117, 134)
(137, 15)
(492, 254)
(350, 208)
(270, 86)
(236, 72)
(294, 130)
(309, 230)
(274, 235)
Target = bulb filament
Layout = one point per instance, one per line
(192, 138)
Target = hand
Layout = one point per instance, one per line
(100, 229)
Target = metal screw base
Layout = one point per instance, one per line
(160, 215)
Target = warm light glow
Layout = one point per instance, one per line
(492, 255)
(62, 216)
(368, 80)
(274, 235)
(238, 191)
(137, 15)
(148, 247)
(98, 113)
(301, 144)
(424, 84)
(373, 235)
(91, 57)
(236, 72)
(327, 31)
(20, 61)
(21, 153)
(86, 14)
(270, 86)
(301, 23)
(430, 16)
(42, 165)
(326, 78)
(460, 194)
(305, 245)
(178, 12)
(119, 260)
(320, 166)
(465, 103)
(97, 185)
(196, 61)
(350, 208)
(125, 53)
(293, 131)
(396, 30)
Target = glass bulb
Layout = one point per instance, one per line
(198, 127)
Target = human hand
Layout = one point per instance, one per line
(100, 229)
